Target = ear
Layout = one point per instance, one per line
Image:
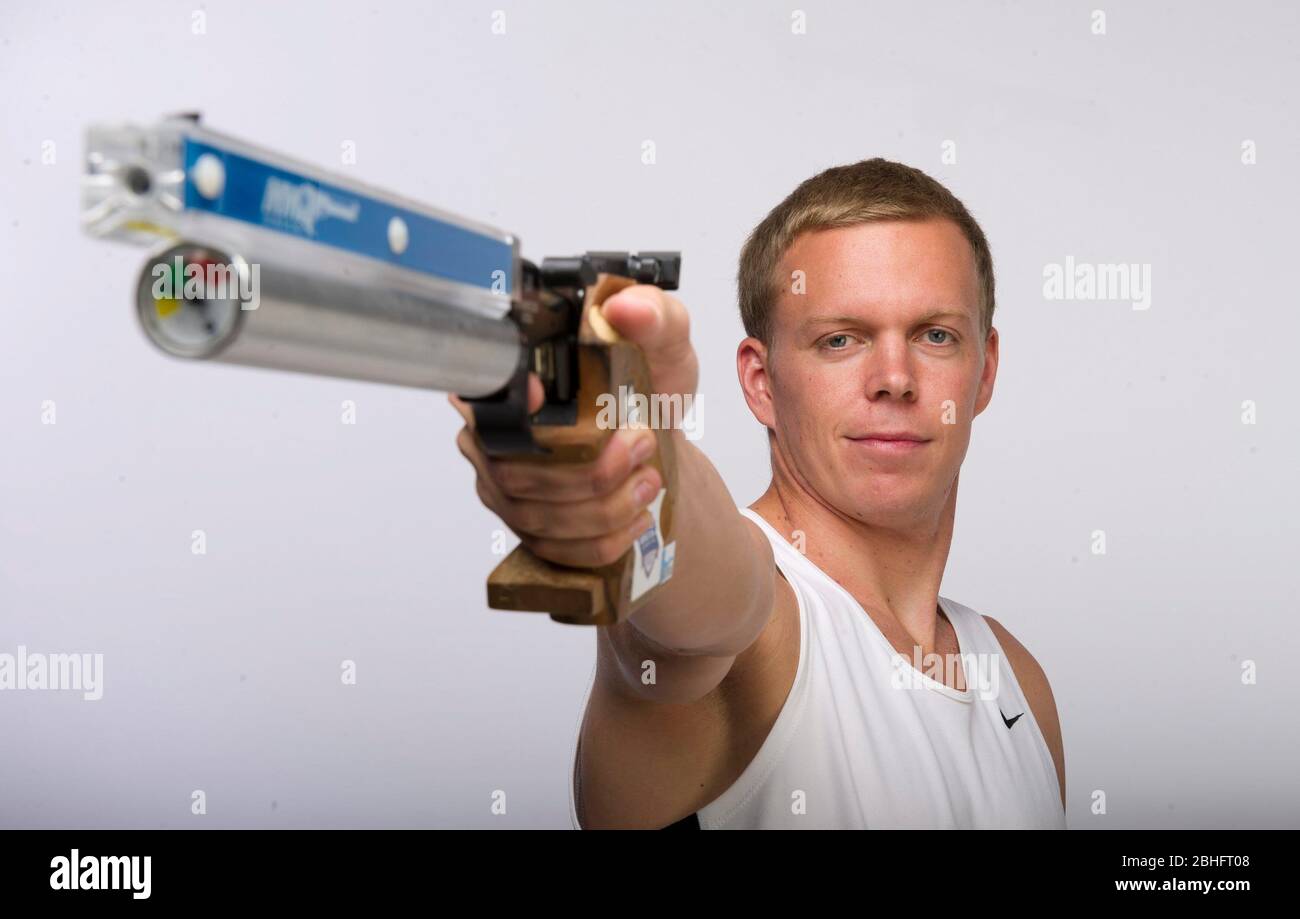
(990, 372)
(756, 380)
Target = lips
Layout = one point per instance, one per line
(891, 435)
(891, 443)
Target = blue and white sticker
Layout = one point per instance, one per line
(653, 560)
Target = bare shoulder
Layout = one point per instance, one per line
(1038, 692)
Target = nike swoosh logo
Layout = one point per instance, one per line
(1012, 721)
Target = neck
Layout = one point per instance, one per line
(893, 571)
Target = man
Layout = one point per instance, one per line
(785, 676)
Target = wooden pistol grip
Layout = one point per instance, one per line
(609, 366)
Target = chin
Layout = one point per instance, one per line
(886, 508)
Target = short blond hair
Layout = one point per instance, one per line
(863, 192)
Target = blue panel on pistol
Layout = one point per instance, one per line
(277, 199)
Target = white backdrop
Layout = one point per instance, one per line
(328, 542)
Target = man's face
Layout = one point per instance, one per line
(885, 339)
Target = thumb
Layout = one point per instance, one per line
(658, 323)
(636, 313)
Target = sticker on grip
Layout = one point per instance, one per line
(653, 561)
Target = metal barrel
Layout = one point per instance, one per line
(318, 324)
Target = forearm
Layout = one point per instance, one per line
(720, 594)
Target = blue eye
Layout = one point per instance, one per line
(941, 332)
(832, 338)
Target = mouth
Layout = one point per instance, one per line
(898, 443)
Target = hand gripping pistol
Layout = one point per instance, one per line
(264, 261)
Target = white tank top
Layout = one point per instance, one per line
(866, 741)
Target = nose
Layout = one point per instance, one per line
(890, 371)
